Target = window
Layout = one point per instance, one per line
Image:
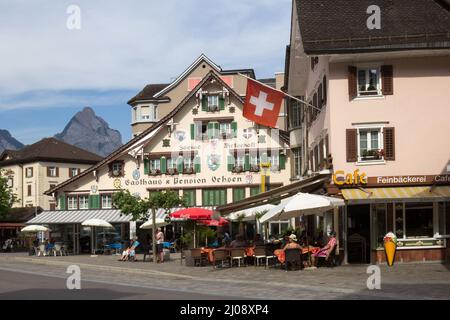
(240, 160)
(238, 194)
(134, 114)
(72, 203)
(29, 172)
(145, 113)
(370, 145)
(83, 202)
(189, 197)
(106, 201)
(116, 169)
(296, 113)
(188, 163)
(10, 182)
(314, 62)
(225, 129)
(214, 197)
(29, 190)
(171, 163)
(274, 161)
(52, 185)
(213, 102)
(254, 160)
(52, 171)
(297, 161)
(369, 82)
(155, 165)
(414, 221)
(73, 172)
(155, 113)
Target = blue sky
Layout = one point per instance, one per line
(49, 72)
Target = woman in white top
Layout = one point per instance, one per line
(160, 244)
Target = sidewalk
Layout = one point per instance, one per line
(409, 281)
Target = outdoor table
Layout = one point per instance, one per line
(279, 253)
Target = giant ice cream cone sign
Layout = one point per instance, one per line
(390, 246)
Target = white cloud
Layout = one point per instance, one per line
(128, 44)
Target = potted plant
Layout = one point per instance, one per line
(238, 169)
(155, 172)
(172, 171)
(255, 168)
(189, 170)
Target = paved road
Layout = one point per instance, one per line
(20, 285)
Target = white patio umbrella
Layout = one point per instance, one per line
(35, 228)
(149, 224)
(250, 214)
(96, 223)
(302, 204)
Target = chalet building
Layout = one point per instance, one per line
(36, 168)
(379, 126)
(197, 143)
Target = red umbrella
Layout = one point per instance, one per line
(215, 223)
(193, 214)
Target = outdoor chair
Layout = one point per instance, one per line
(57, 249)
(270, 256)
(237, 254)
(220, 255)
(196, 257)
(41, 250)
(293, 257)
(260, 253)
(329, 260)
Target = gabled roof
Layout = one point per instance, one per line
(148, 93)
(340, 26)
(49, 149)
(202, 58)
(134, 141)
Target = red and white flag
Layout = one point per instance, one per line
(262, 104)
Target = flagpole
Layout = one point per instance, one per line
(286, 94)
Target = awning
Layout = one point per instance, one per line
(422, 193)
(78, 216)
(11, 225)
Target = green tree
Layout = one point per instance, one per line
(7, 196)
(140, 209)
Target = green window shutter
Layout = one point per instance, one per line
(197, 164)
(282, 161)
(146, 166)
(247, 162)
(216, 126)
(210, 130)
(163, 165)
(230, 162)
(223, 197)
(94, 202)
(62, 203)
(234, 129)
(204, 197)
(221, 102)
(204, 103)
(254, 191)
(212, 197)
(192, 131)
(180, 165)
(189, 196)
(238, 194)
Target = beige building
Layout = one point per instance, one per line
(41, 166)
(202, 148)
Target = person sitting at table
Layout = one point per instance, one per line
(239, 242)
(292, 243)
(125, 254)
(325, 251)
(258, 241)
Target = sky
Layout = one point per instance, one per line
(50, 70)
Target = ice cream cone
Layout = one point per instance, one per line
(390, 247)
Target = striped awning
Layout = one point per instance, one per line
(162, 214)
(422, 193)
(78, 216)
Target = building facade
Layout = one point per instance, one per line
(379, 122)
(203, 148)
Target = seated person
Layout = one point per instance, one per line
(258, 241)
(325, 251)
(292, 243)
(133, 247)
(239, 242)
(125, 254)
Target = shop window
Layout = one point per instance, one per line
(418, 220)
(379, 212)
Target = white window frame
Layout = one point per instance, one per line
(367, 68)
(155, 164)
(227, 128)
(74, 171)
(52, 171)
(106, 201)
(72, 203)
(10, 182)
(240, 160)
(188, 163)
(212, 98)
(252, 160)
(297, 154)
(370, 127)
(83, 202)
(171, 163)
(29, 172)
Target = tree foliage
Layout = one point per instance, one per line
(7, 196)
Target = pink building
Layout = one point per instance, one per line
(378, 74)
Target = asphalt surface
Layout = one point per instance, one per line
(20, 285)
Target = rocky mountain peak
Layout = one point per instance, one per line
(8, 142)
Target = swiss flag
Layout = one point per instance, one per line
(262, 104)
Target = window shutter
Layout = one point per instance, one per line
(57, 171)
(163, 165)
(197, 164)
(282, 161)
(387, 80)
(352, 82)
(352, 145)
(146, 166)
(311, 160)
(94, 202)
(389, 143)
(223, 197)
(79, 170)
(210, 130)
(216, 129)
(180, 164)
(70, 173)
(230, 162)
(320, 94)
(48, 171)
(324, 82)
(247, 162)
(192, 131)
(62, 203)
(234, 129)
(204, 102)
(221, 102)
